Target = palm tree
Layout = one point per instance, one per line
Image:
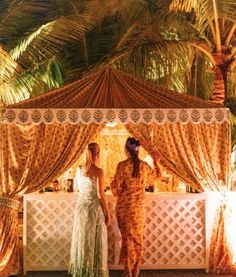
(132, 35)
(215, 22)
(192, 50)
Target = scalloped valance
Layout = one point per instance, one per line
(101, 116)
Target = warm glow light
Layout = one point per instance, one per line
(111, 124)
(231, 224)
(148, 159)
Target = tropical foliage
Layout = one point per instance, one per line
(215, 22)
(132, 35)
(186, 45)
(20, 77)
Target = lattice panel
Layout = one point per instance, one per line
(49, 231)
(112, 236)
(175, 233)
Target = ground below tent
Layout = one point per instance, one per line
(146, 273)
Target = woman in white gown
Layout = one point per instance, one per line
(89, 238)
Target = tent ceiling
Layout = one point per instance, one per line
(107, 95)
(111, 88)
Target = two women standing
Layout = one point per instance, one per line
(89, 239)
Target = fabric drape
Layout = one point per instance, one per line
(199, 154)
(9, 254)
(32, 156)
(193, 152)
(222, 248)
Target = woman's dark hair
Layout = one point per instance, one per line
(132, 145)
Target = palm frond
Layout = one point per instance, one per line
(8, 67)
(202, 77)
(126, 9)
(167, 63)
(50, 38)
(184, 5)
(17, 16)
(232, 84)
(32, 82)
(204, 10)
(227, 9)
(233, 132)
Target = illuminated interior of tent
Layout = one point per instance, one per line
(112, 140)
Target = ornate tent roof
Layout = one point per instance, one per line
(108, 94)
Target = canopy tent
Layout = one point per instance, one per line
(111, 95)
(43, 136)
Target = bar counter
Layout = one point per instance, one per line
(176, 234)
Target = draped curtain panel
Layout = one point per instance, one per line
(199, 154)
(9, 254)
(32, 156)
(222, 248)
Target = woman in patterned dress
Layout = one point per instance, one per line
(128, 185)
(89, 238)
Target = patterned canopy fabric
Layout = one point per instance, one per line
(110, 88)
(108, 95)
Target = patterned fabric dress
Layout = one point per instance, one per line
(130, 211)
(89, 238)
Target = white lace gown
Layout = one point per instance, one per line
(89, 238)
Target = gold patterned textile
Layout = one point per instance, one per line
(34, 155)
(9, 202)
(107, 87)
(199, 155)
(222, 248)
(31, 157)
(194, 153)
(112, 143)
(106, 94)
(130, 211)
(9, 254)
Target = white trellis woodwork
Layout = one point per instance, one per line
(175, 233)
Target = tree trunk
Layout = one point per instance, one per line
(219, 90)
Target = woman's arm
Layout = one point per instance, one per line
(101, 196)
(153, 175)
(156, 159)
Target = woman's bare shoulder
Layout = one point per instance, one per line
(99, 171)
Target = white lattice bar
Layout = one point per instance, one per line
(175, 232)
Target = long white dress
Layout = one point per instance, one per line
(89, 238)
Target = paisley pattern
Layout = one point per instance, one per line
(130, 211)
(89, 238)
